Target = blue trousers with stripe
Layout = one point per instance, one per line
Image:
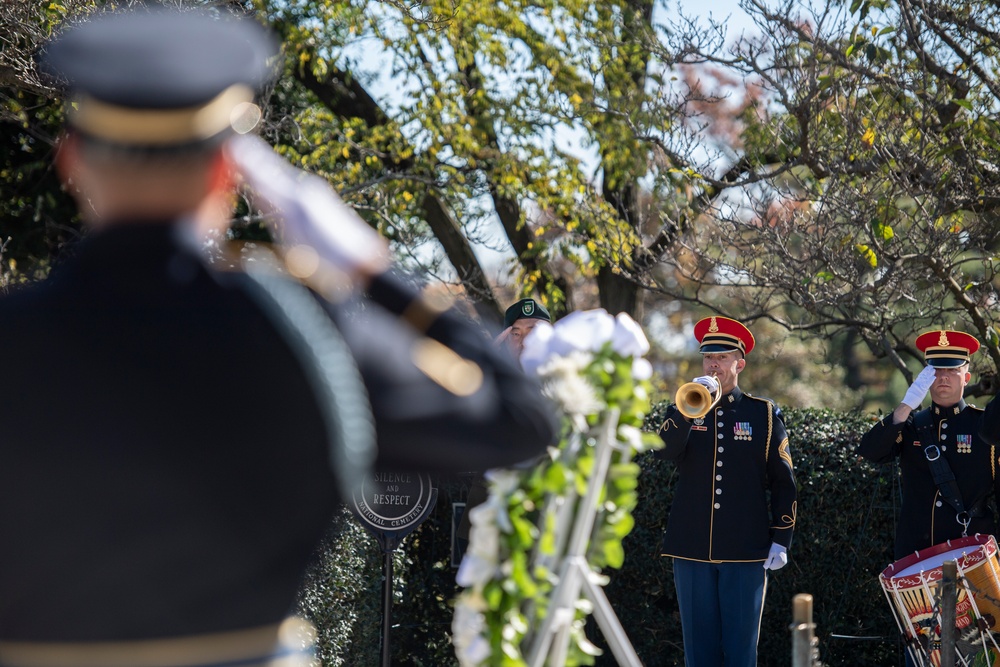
(721, 606)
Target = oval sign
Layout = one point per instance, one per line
(394, 502)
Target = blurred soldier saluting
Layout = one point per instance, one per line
(176, 438)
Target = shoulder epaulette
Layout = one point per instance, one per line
(759, 398)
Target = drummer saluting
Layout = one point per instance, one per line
(947, 452)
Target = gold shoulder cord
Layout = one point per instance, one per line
(301, 262)
(437, 361)
(767, 446)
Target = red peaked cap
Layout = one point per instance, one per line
(947, 349)
(721, 334)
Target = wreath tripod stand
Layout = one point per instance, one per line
(576, 575)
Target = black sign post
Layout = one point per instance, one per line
(391, 505)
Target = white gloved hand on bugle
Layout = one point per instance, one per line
(777, 557)
(708, 382)
(918, 390)
(303, 209)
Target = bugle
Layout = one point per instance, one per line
(694, 400)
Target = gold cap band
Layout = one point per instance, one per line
(159, 127)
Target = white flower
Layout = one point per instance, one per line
(467, 626)
(580, 331)
(573, 394)
(641, 369)
(475, 570)
(627, 339)
(487, 540)
(503, 482)
(536, 347)
(481, 560)
(492, 512)
(631, 436)
(586, 330)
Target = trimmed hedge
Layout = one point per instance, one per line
(843, 539)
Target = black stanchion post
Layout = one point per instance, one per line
(386, 609)
(949, 576)
(391, 505)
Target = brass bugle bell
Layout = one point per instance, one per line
(694, 400)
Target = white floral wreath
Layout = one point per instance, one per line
(588, 363)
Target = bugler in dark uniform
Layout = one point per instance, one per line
(724, 517)
(175, 436)
(721, 528)
(962, 435)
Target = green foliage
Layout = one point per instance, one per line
(38, 218)
(341, 595)
(843, 540)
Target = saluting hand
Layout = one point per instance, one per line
(918, 390)
(307, 211)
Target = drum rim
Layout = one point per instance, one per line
(977, 540)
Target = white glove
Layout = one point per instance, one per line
(777, 557)
(306, 210)
(918, 390)
(708, 382)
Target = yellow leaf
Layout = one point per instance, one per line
(345, 152)
(407, 196)
(868, 139)
(868, 254)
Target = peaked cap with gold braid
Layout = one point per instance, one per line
(721, 334)
(156, 78)
(946, 349)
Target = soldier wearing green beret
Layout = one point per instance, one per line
(518, 321)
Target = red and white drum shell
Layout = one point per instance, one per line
(910, 585)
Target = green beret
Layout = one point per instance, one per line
(525, 309)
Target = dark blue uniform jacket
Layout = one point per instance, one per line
(728, 464)
(163, 465)
(967, 438)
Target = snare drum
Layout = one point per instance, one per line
(910, 585)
